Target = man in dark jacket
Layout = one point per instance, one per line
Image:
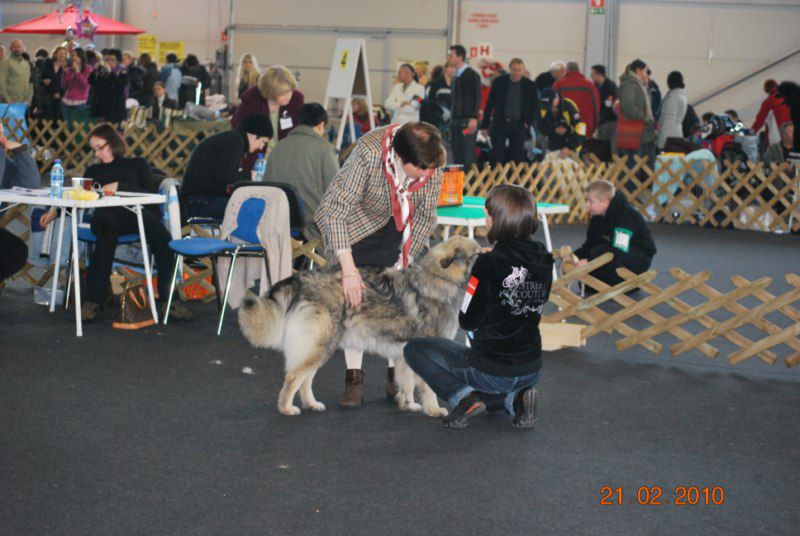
(217, 163)
(466, 105)
(108, 82)
(511, 109)
(608, 96)
(615, 227)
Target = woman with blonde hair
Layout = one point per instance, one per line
(275, 96)
(248, 73)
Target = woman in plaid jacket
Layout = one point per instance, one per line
(379, 211)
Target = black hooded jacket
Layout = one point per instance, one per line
(503, 305)
(620, 215)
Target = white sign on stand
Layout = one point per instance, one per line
(349, 79)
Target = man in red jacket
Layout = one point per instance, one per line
(780, 113)
(577, 88)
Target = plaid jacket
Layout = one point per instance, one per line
(357, 202)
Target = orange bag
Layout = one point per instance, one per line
(452, 186)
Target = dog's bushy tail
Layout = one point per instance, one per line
(262, 320)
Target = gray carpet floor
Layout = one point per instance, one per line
(161, 432)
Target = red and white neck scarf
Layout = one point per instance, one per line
(401, 187)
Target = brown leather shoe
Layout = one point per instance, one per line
(391, 386)
(353, 389)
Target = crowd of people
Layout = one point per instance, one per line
(561, 113)
(75, 83)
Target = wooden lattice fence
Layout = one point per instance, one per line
(778, 334)
(166, 148)
(744, 196)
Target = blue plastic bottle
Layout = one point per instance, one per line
(57, 180)
(260, 168)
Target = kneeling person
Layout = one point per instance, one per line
(615, 227)
(507, 289)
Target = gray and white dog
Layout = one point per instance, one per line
(305, 316)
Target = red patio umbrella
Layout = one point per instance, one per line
(48, 24)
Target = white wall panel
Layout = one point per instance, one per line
(539, 32)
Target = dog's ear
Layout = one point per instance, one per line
(447, 261)
(248, 302)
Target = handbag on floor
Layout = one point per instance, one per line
(134, 308)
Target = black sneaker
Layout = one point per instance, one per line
(469, 407)
(525, 408)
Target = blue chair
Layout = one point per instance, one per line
(247, 220)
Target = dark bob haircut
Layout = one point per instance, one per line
(675, 80)
(420, 144)
(107, 132)
(513, 212)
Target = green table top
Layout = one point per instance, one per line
(473, 208)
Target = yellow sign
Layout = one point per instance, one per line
(148, 45)
(165, 47)
(343, 60)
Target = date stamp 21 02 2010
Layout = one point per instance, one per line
(657, 496)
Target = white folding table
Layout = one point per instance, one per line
(130, 200)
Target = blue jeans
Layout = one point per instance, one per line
(444, 365)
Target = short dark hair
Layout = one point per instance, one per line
(111, 135)
(573, 67)
(707, 116)
(599, 69)
(42, 53)
(770, 85)
(172, 58)
(513, 212)
(675, 80)
(113, 52)
(312, 114)
(420, 144)
(637, 64)
(191, 61)
(460, 51)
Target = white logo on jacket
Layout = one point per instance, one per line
(518, 291)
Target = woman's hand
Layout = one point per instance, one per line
(110, 188)
(47, 217)
(352, 286)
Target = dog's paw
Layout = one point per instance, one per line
(291, 410)
(411, 406)
(315, 406)
(435, 412)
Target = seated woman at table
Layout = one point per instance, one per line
(615, 227)
(219, 161)
(116, 172)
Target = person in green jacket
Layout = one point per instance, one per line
(307, 161)
(15, 76)
(634, 104)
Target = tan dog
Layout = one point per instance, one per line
(306, 317)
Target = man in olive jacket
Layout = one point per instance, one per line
(634, 104)
(307, 161)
